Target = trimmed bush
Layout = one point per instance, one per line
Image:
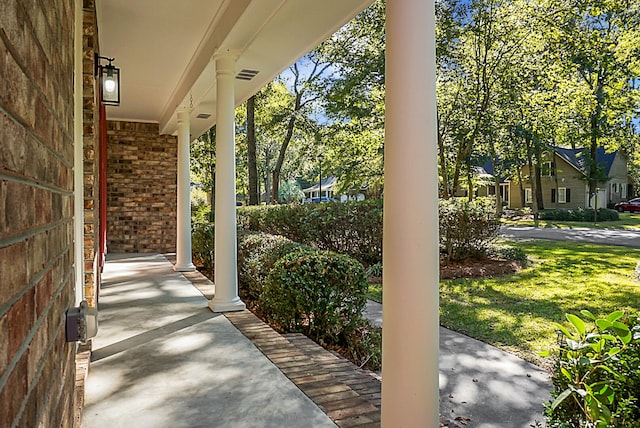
(202, 245)
(352, 228)
(467, 228)
(579, 214)
(257, 254)
(319, 293)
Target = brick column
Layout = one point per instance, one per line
(183, 237)
(226, 272)
(410, 396)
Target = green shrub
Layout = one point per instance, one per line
(352, 228)
(467, 228)
(202, 245)
(364, 345)
(597, 376)
(320, 293)
(375, 270)
(579, 214)
(515, 254)
(257, 254)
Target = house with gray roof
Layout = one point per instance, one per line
(564, 180)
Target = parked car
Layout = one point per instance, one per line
(632, 205)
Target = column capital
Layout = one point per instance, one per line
(183, 113)
(225, 60)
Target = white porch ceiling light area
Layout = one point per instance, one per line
(165, 49)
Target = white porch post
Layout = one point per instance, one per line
(410, 396)
(226, 272)
(183, 239)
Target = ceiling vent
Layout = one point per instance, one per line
(203, 116)
(245, 74)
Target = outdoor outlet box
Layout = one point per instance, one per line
(82, 323)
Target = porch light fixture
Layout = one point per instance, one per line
(109, 77)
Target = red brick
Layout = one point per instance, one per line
(20, 319)
(13, 271)
(19, 215)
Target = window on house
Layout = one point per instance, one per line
(548, 169)
(562, 195)
(528, 196)
(623, 191)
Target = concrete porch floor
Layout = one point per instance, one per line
(163, 359)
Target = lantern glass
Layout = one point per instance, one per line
(110, 81)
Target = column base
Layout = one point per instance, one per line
(234, 305)
(186, 268)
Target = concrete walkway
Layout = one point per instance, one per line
(163, 359)
(483, 386)
(623, 237)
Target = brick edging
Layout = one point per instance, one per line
(349, 395)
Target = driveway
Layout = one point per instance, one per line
(627, 238)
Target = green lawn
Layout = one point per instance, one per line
(627, 221)
(515, 312)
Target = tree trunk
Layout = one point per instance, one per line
(251, 152)
(283, 148)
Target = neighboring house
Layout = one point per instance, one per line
(326, 190)
(564, 181)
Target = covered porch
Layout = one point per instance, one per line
(185, 68)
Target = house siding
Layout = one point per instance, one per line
(566, 176)
(618, 179)
(141, 188)
(37, 371)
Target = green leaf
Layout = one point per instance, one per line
(563, 330)
(614, 316)
(560, 398)
(588, 314)
(577, 323)
(614, 351)
(603, 324)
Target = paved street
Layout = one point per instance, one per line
(627, 238)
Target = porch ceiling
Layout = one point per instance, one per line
(165, 49)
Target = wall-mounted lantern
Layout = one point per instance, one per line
(109, 78)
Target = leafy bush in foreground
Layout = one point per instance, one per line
(597, 377)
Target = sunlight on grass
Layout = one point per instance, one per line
(516, 312)
(627, 221)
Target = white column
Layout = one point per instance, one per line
(183, 239)
(226, 272)
(410, 337)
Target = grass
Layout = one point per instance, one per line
(517, 312)
(627, 221)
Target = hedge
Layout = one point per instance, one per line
(579, 214)
(352, 228)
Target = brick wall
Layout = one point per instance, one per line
(141, 188)
(36, 201)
